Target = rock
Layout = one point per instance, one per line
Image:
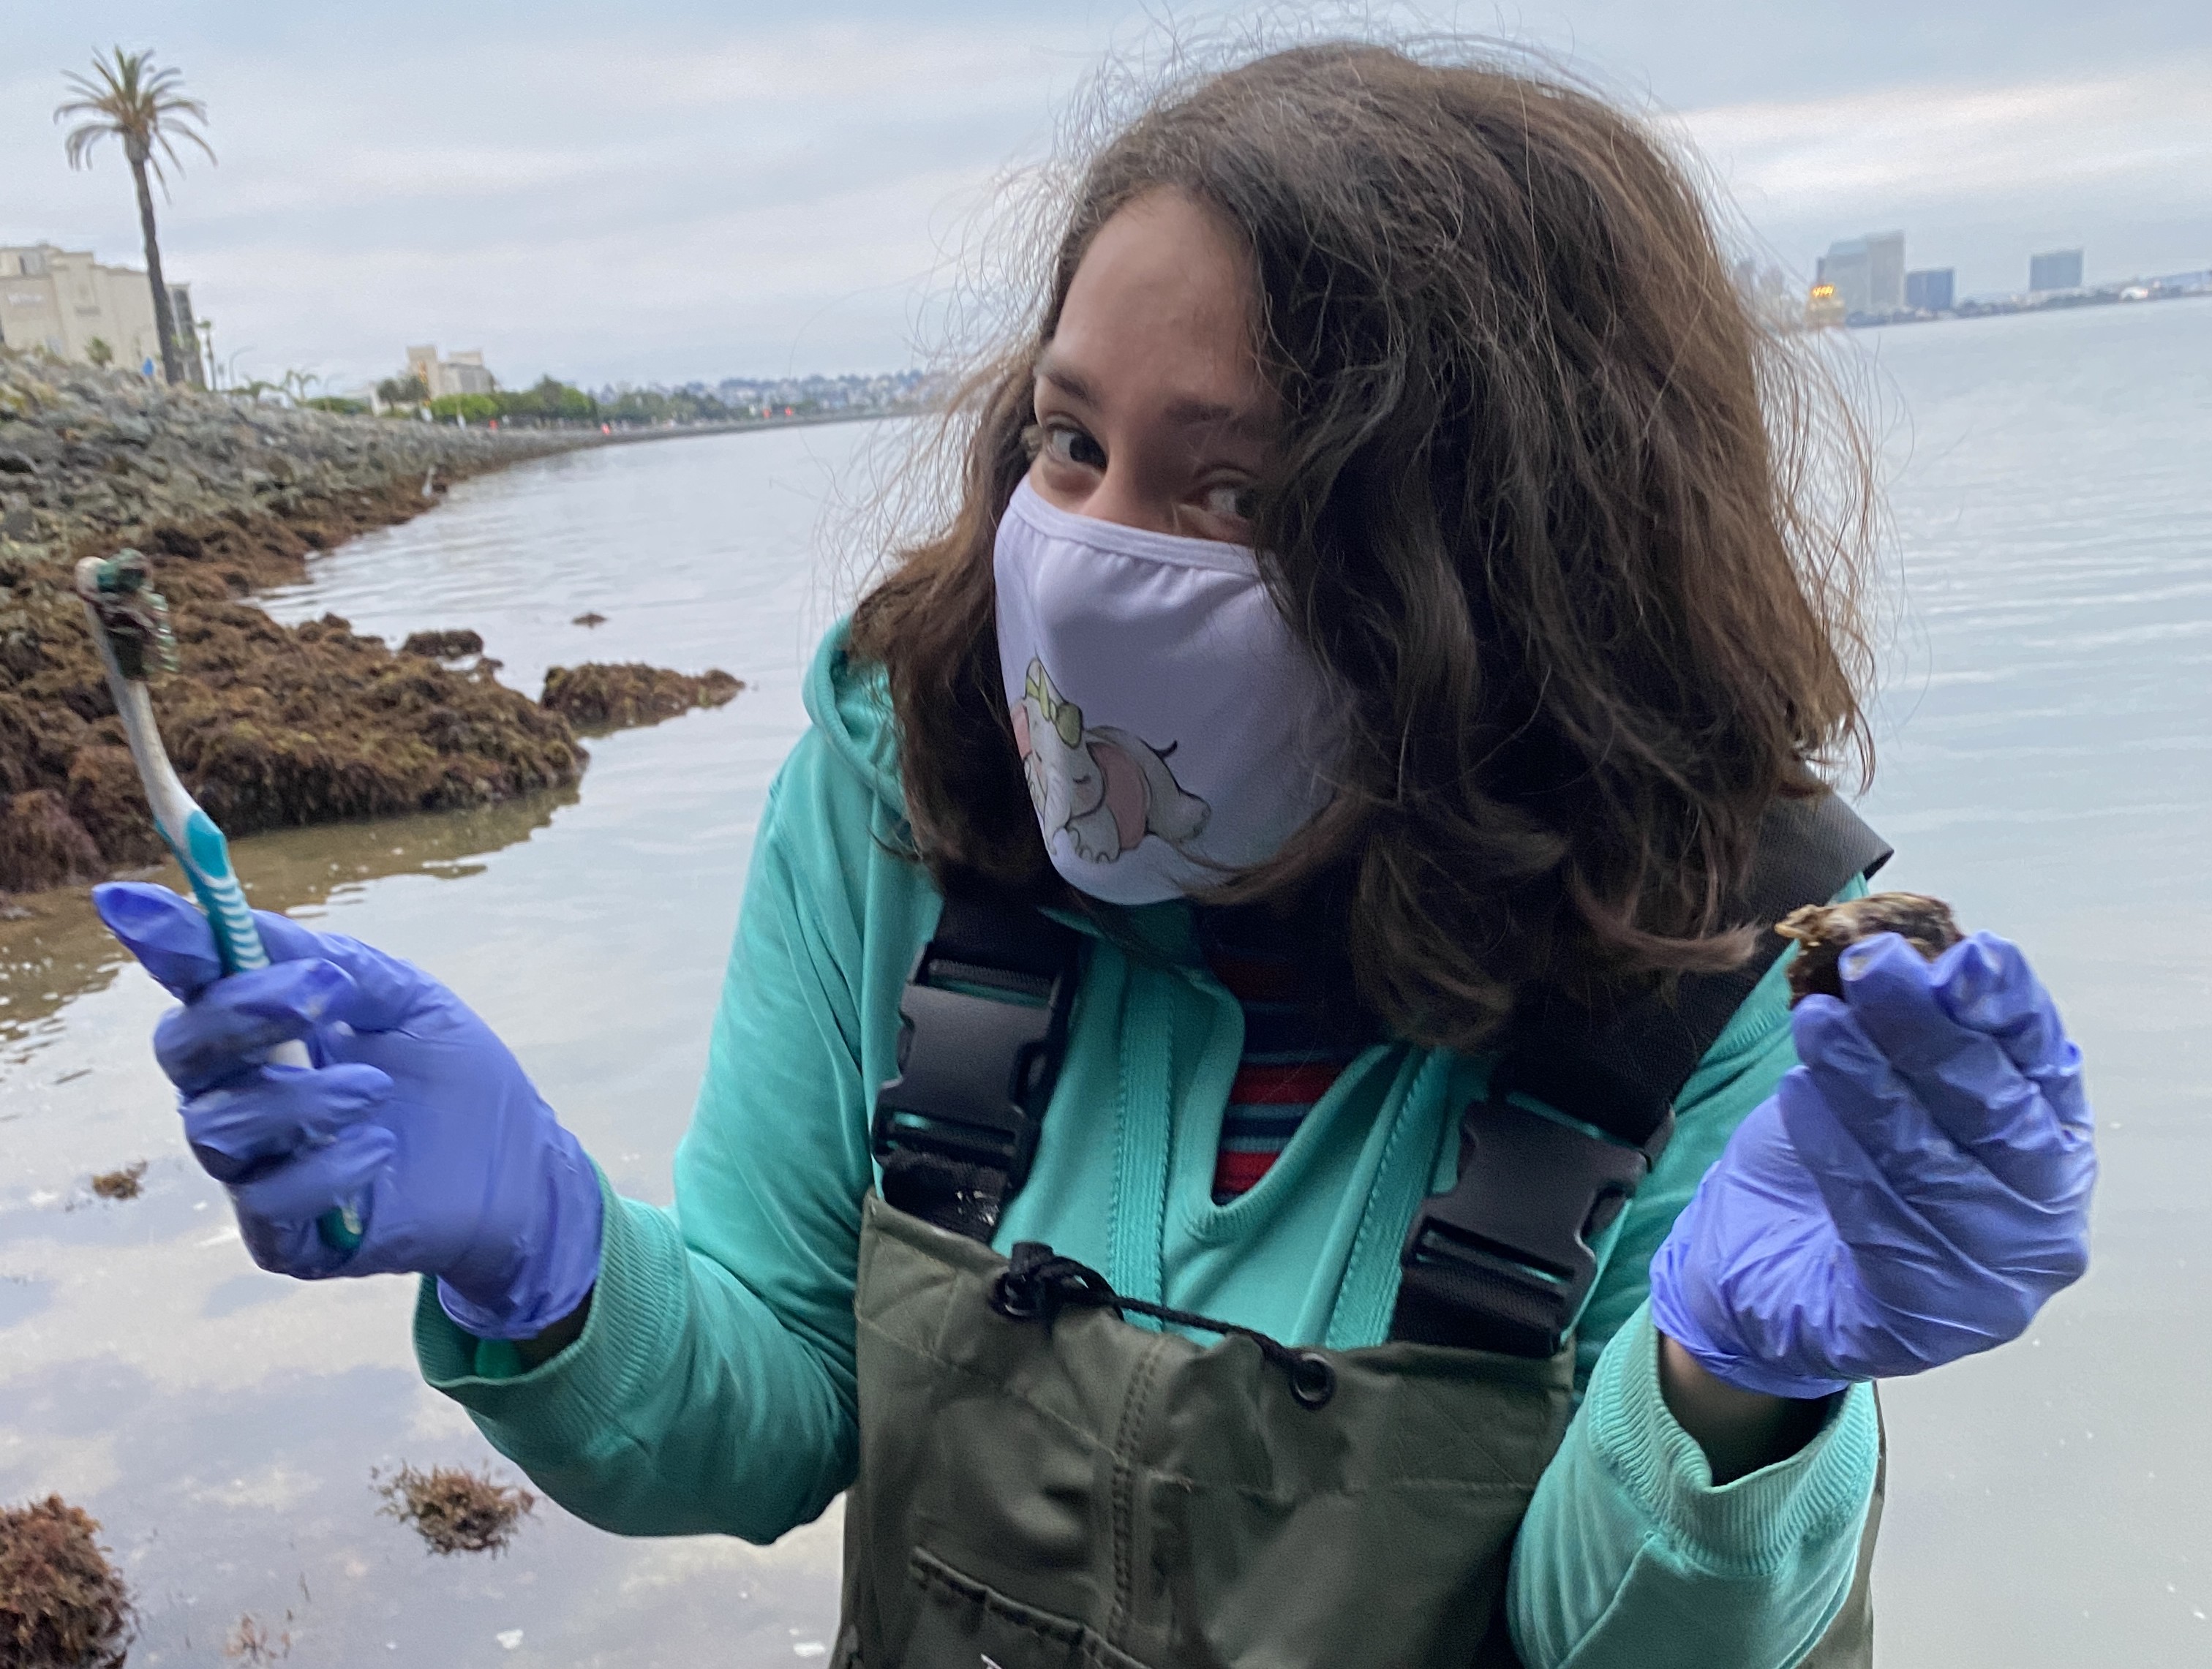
(16, 462)
(593, 618)
(600, 696)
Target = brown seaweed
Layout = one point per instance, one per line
(62, 1605)
(455, 643)
(270, 726)
(126, 1183)
(254, 1642)
(602, 696)
(455, 1510)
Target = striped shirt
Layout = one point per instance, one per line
(1296, 1040)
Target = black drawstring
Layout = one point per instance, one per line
(1037, 1284)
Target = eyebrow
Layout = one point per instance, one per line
(1067, 382)
(1186, 414)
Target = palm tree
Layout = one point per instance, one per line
(127, 97)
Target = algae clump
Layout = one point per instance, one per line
(601, 696)
(126, 1183)
(455, 1510)
(62, 1605)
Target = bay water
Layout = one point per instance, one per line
(2046, 733)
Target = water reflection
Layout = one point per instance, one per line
(2047, 765)
(223, 1423)
(56, 950)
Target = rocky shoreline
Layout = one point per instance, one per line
(269, 726)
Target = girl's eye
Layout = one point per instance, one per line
(1063, 443)
(1230, 500)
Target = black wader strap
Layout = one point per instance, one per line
(1036, 1284)
(1502, 1262)
(985, 1017)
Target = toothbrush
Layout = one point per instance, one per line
(130, 625)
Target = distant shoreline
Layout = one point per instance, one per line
(270, 725)
(2133, 293)
(741, 426)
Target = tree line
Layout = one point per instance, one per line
(551, 401)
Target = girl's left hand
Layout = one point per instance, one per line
(1910, 1194)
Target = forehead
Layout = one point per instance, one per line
(1161, 309)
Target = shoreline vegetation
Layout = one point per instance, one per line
(626, 410)
(270, 725)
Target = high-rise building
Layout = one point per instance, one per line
(2059, 270)
(64, 302)
(1884, 271)
(1867, 273)
(1846, 271)
(1930, 290)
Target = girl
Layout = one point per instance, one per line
(1262, 945)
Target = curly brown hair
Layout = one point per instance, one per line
(1545, 507)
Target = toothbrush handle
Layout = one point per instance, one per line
(205, 857)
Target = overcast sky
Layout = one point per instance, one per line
(667, 190)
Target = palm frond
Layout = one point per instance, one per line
(130, 98)
(79, 143)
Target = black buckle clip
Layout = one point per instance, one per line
(974, 1071)
(1503, 1262)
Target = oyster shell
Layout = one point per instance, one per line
(1822, 931)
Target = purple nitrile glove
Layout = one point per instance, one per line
(1912, 1193)
(414, 1114)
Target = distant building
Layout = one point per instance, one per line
(1768, 292)
(1885, 271)
(2060, 270)
(1867, 273)
(1931, 290)
(1843, 272)
(61, 302)
(462, 373)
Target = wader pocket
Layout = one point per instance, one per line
(959, 1624)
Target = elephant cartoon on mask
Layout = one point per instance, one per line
(1107, 788)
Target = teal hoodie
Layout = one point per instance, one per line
(711, 1389)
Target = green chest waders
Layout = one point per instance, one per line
(1043, 1486)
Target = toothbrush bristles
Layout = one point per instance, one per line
(135, 616)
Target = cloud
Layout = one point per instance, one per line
(690, 192)
(2124, 153)
(642, 204)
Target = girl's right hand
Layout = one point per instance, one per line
(414, 1114)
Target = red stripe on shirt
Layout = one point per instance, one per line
(1278, 1086)
(1235, 1172)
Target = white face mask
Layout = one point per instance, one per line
(1170, 726)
